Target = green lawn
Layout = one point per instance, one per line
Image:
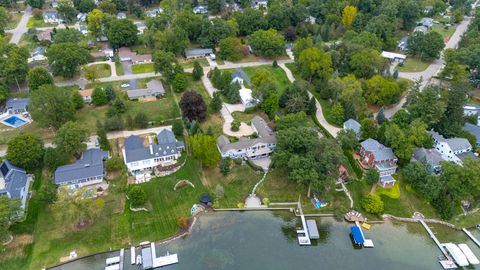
(278, 74)
(189, 63)
(445, 32)
(103, 70)
(13, 19)
(413, 64)
(119, 68)
(142, 68)
(35, 23)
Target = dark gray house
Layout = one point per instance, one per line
(14, 182)
(88, 170)
(431, 158)
(141, 159)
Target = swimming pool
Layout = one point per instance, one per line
(14, 121)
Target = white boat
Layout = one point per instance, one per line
(456, 254)
(472, 259)
(139, 259)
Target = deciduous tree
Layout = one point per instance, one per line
(26, 151)
(65, 58)
(348, 15)
(204, 148)
(95, 22)
(37, 77)
(51, 106)
(315, 64)
(268, 43)
(70, 138)
(121, 33)
(193, 107)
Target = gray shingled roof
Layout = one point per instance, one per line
(17, 103)
(244, 143)
(154, 88)
(241, 74)
(474, 129)
(261, 126)
(380, 152)
(353, 125)
(428, 156)
(15, 179)
(89, 165)
(456, 144)
(167, 145)
(197, 52)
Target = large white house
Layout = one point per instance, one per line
(141, 159)
(452, 149)
(245, 148)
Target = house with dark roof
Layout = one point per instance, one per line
(247, 148)
(140, 158)
(375, 155)
(451, 149)
(17, 105)
(431, 158)
(14, 182)
(52, 17)
(475, 130)
(197, 53)
(127, 55)
(88, 170)
(154, 89)
(45, 35)
(353, 125)
(240, 76)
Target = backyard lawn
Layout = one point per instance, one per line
(189, 63)
(413, 64)
(142, 68)
(445, 32)
(278, 75)
(13, 19)
(103, 70)
(36, 23)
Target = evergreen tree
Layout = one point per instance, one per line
(197, 71)
(381, 116)
(216, 103)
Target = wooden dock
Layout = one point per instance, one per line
(474, 239)
(448, 263)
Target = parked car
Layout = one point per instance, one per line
(125, 85)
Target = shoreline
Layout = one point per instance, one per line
(182, 234)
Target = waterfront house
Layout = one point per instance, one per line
(126, 55)
(141, 159)
(14, 182)
(451, 149)
(197, 53)
(475, 130)
(52, 17)
(375, 155)
(86, 95)
(353, 125)
(88, 170)
(200, 10)
(431, 158)
(17, 105)
(247, 148)
(154, 89)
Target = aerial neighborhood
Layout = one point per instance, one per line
(126, 124)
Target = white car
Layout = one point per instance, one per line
(125, 85)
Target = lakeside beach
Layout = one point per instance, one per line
(254, 240)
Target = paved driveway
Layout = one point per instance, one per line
(21, 28)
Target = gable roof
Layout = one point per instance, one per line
(353, 125)
(379, 151)
(86, 92)
(475, 130)
(89, 165)
(456, 144)
(167, 145)
(197, 52)
(261, 126)
(15, 179)
(154, 88)
(239, 73)
(428, 156)
(18, 103)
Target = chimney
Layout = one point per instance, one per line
(151, 149)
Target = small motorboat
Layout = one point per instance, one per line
(139, 259)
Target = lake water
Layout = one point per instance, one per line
(267, 240)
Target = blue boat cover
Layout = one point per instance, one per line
(357, 235)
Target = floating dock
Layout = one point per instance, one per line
(474, 239)
(312, 229)
(472, 259)
(302, 235)
(112, 263)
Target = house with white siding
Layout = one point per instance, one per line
(451, 149)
